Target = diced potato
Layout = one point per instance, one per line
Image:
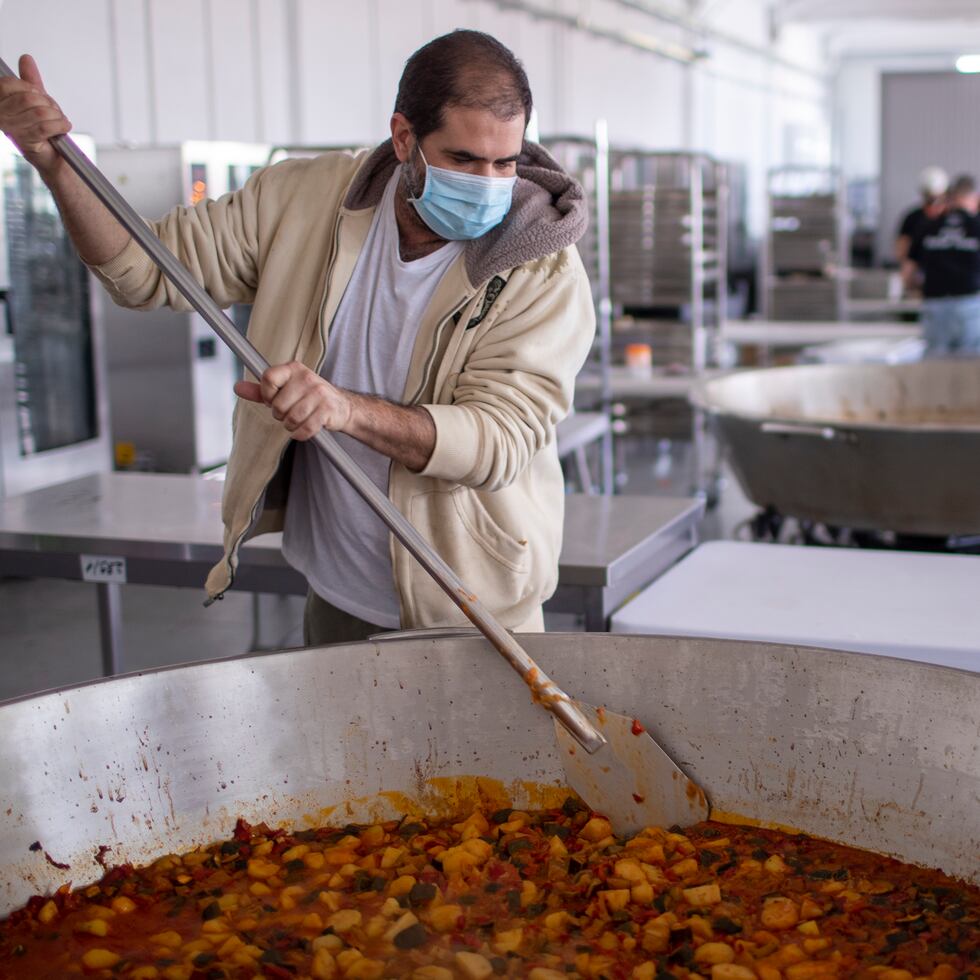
(400, 925)
(645, 971)
(779, 912)
(295, 853)
(401, 886)
(809, 928)
(312, 921)
(94, 927)
(809, 909)
(642, 894)
(710, 954)
(812, 946)
(688, 868)
(775, 865)
(122, 904)
(170, 939)
(261, 869)
(314, 860)
(597, 829)
(344, 920)
(614, 899)
(703, 896)
(47, 912)
(230, 945)
(143, 973)
(656, 937)
(473, 966)
(373, 836)
(100, 959)
(543, 973)
(324, 965)
(767, 972)
(630, 869)
(366, 969)
(731, 971)
(820, 970)
(529, 893)
(432, 973)
(445, 917)
(392, 856)
(507, 941)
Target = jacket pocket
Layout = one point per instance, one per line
(491, 561)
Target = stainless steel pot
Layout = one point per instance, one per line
(876, 752)
(876, 447)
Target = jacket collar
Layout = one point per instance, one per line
(548, 213)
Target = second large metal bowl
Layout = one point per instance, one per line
(872, 447)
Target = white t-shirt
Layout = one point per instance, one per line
(330, 534)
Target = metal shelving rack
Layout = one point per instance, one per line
(669, 241)
(588, 161)
(805, 264)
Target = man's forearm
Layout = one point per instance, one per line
(96, 234)
(405, 434)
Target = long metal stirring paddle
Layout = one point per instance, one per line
(542, 687)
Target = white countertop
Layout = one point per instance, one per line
(911, 605)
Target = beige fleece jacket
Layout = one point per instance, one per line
(494, 363)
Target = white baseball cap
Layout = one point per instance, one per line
(934, 181)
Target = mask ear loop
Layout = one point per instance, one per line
(425, 180)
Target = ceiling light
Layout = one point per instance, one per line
(969, 64)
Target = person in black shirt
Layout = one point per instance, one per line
(947, 252)
(933, 184)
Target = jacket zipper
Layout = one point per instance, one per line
(233, 552)
(423, 381)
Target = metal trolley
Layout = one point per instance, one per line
(804, 267)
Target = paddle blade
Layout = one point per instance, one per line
(630, 780)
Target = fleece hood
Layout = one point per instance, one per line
(548, 212)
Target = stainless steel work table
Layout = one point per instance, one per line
(151, 529)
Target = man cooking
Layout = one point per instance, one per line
(424, 301)
(947, 251)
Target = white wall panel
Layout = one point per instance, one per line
(233, 72)
(135, 114)
(275, 65)
(402, 28)
(326, 71)
(336, 69)
(70, 43)
(179, 76)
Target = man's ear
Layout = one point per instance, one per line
(402, 136)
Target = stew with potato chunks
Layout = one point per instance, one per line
(545, 895)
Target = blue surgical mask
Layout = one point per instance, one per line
(458, 206)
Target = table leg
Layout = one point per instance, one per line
(110, 627)
(582, 467)
(595, 613)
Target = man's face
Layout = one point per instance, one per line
(472, 141)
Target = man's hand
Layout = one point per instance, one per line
(30, 117)
(300, 399)
(305, 403)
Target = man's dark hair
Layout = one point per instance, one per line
(464, 68)
(963, 185)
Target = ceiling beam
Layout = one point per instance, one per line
(788, 11)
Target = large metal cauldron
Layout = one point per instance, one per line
(872, 447)
(877, 752)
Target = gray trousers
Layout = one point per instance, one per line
(324, 623)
